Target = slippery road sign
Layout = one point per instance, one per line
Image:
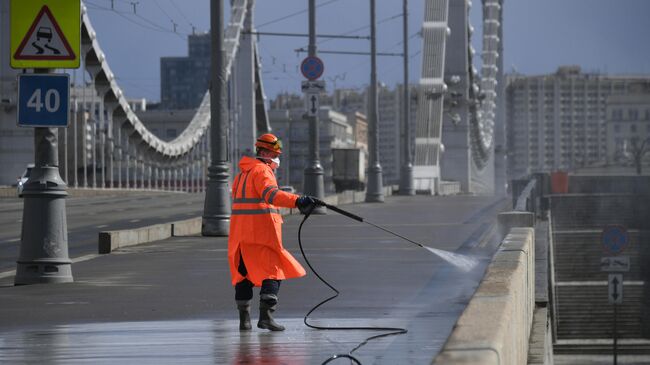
(45, 33)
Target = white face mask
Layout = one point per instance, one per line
(275, 162)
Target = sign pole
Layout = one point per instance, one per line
(313, 173)
(44, 241)
(615, 334)
(406, 175)
(44, 35)
(375, 189)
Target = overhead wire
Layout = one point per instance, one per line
(183, 15)
(294, 14)
(167, 15)
(381, 21)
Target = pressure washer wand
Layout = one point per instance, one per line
(361, 219)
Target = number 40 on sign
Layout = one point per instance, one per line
(43, 100)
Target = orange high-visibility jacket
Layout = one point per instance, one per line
(256, 225)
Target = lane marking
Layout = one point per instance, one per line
(7, 274)
(135, 220)
(101, 226)
(85, 258)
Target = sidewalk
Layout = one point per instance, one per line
(171, 301)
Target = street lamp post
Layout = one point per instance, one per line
(44, 254)
(375, 190)
(216, 211)
(406, 175)
(314, 171)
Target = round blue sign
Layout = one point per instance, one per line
(312, 68)
(615, 238)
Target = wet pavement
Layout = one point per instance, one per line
(171, 301)
(88, 215)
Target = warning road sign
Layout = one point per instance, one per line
(45, 33)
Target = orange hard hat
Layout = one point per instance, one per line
(269, 142)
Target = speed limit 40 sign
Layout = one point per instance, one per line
(43, 100)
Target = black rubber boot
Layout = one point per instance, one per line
(244, 309)
(266, 319)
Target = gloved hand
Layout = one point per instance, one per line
(305, 203)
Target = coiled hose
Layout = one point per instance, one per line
(392, 331)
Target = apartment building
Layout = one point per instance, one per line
(559, 121)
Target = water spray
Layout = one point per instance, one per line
(462, 262)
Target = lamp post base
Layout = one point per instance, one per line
(314, 185)
(406, 180)
(216, 211)
(375, 190)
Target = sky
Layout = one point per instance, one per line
(598, 35)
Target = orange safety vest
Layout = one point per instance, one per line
(256, 226)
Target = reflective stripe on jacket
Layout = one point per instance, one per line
(256, 225)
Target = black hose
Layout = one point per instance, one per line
(393, 330)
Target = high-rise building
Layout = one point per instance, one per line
(558, 121)
(184, 80)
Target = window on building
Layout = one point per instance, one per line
(617, 128)
(633, 114)
(617, 114)
(633, 128)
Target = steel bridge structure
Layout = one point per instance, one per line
(108, 146)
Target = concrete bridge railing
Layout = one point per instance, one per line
(496, 325)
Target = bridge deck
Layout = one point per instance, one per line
(171, 301)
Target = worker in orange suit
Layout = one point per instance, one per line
(255, 253)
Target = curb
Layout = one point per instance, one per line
(110, 241)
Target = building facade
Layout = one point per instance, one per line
(390, 113)
(290, 126)
(628, 125)
(359, 124)
(559, 121)
(390, 108)
(184, 80)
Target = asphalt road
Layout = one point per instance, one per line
(86, 216)
(172, 302)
